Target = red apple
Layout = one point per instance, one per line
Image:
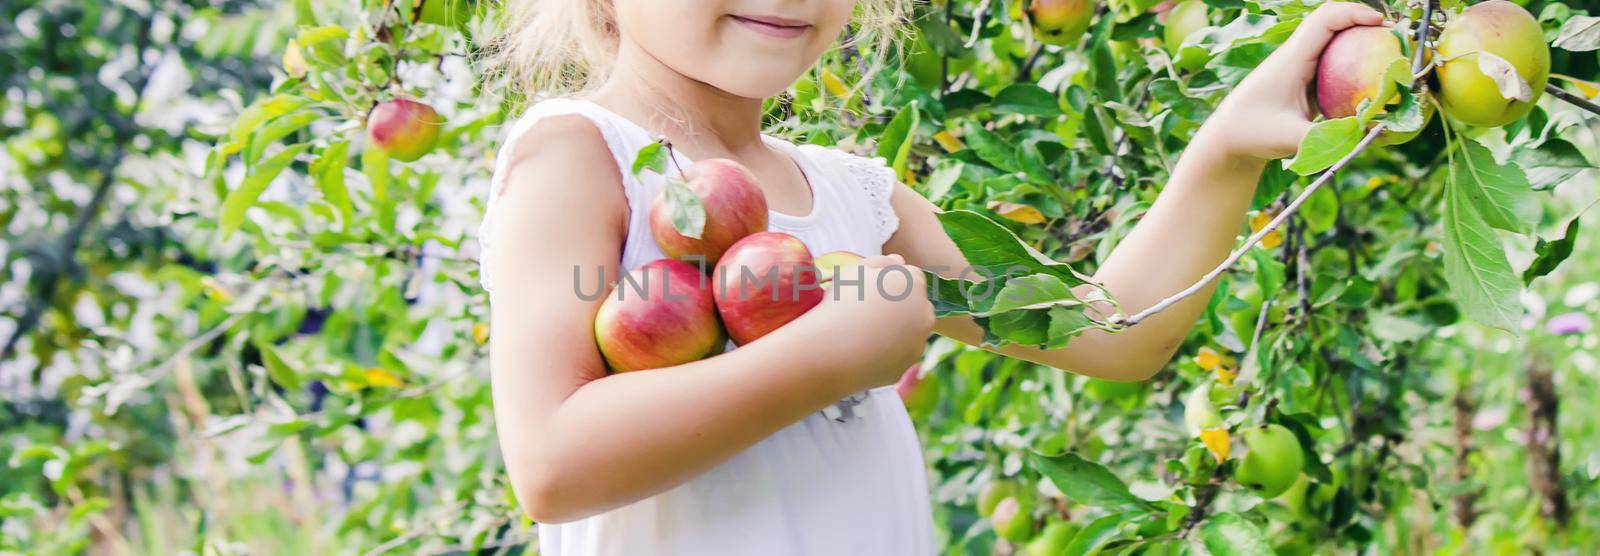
(659, 315)
(734, 207)
(404, 129)
(762, 282)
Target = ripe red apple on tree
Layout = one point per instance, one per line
(1351, 71)
(762, 282)
(404, 129)
(733, 205)
(1061, 22)
(1492, 35)
(659, 315)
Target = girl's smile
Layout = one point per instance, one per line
(772, 26)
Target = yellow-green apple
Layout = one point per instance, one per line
(993, 492)
(1273, 462)
(734, 208)
(1351, 71)
(1012, 520)
(659, 315)
(920, 393)
(1060, 22)
(404, 129)
(1053, 540)
(1504, 30)
(1183, 20)
(762, 282)
(830, 264)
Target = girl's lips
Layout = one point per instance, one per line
(773, 26)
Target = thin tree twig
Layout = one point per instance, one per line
(1250, 243)
(1572, 99)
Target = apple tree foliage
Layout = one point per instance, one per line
(233, 326)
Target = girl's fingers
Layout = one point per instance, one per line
(1307, 42)
(882, 261)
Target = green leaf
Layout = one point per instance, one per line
(242, 197)
(1475, 264)
(328, 170)
(1093, 537)
(257, 113)
(684, 207)
(1088, 483)
(651, 157)
(1554, 161)
(1550, 254)
(375, 165)
(276, 129)
(312, 36)
(1067, 323)
(898, 137)
(947, 296)
(1500, 193)
(1029, 328)
(994, 251)
(1579, 34)
(1395, 76)
(279, 371)
(1028, 99)
(990, 148)
(1230, 534)
(1036, 291)
(1326, 143)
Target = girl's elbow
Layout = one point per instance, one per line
(546, 495)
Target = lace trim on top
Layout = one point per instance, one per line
(875, 178)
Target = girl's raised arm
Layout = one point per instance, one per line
(578, 441)
(1188, 229)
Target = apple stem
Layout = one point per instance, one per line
(672, 156)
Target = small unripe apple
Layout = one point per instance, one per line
(995, 491)
(734, 207)
(762, 282)
(659, 315)
(1505, 30)
(1273, 462)
(1199, 412)
(1061, 22)
(1351, 71)
(1053, 540)
(1183, 20)
(1012, 520)
(920, 393)
(404, 129)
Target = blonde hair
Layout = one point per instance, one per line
(568, 46)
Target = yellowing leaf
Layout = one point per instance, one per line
(1017, 211)
(1226, 375)
(1208, 358)
(834, 85)
(215, 290)
(950, 143)
(1217, 442)
(480, 333)
(294, 61)
(1374, 182)
(378, 377)
(1272, 240)
(1588, 88)
(1259, 220)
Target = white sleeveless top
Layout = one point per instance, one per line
(849, 480)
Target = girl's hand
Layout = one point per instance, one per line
(885, 317)
(1267, 115)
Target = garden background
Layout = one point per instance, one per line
(232, 327)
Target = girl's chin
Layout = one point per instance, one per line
(754, 85)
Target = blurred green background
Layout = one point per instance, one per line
(316, 381)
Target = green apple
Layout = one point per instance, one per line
(992, 493)
(1273, 462)
(1012, 520)
(1053, 540)
(1504, 30)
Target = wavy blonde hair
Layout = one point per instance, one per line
(555, 47)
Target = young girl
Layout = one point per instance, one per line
(734, 454)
